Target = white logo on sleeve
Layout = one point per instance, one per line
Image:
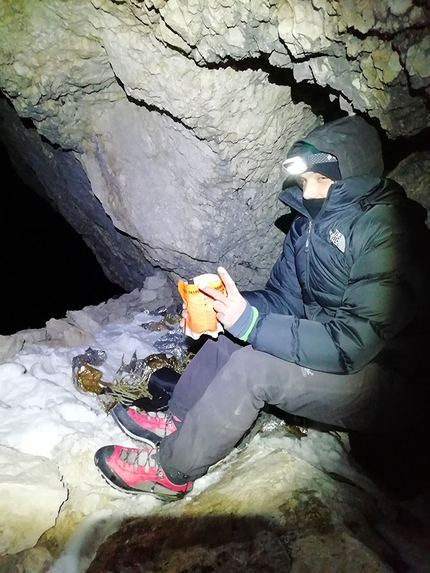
(337, 239)
(306, 371)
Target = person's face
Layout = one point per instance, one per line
(315, 185)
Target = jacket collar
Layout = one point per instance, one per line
(364, 191)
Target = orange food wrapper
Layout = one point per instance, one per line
(201, 315)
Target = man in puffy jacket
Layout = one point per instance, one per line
(338, 335)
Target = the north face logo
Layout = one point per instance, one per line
(337, 239)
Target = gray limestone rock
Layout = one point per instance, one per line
(157, 128)
(10, 345)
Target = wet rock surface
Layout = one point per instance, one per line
(271, 512)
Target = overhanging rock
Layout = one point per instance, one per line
(165, 122)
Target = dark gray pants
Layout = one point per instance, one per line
(226, 384)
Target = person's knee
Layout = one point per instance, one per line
(243, 361)
(249, 367)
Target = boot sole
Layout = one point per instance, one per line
(154, 489)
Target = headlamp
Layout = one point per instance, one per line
(295, 165)
(301, 163)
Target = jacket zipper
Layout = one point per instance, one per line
(309, 234)
(307, 254)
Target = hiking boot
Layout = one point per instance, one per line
(150, 427)
(134, 470)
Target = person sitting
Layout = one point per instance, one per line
(338, 335)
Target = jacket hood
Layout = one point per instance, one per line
(362, 191)
(352, 140)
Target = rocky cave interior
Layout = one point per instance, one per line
(139, 137)
(29, 222)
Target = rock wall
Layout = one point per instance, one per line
(160, 126)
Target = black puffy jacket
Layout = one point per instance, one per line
(352, 286)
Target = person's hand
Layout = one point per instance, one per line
(184, 316)
(228, 307)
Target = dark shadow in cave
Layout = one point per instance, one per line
(47, 268)
(233, 543)
(395, 150)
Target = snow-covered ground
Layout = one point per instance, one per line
(42, 413)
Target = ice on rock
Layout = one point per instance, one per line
(31, 494)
